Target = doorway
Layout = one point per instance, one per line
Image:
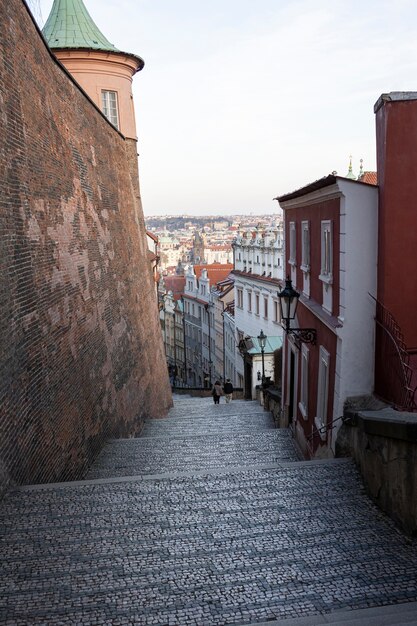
(248, 379)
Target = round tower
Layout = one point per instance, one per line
(104, 72)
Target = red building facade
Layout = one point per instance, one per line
(396, 349)
(330, 256)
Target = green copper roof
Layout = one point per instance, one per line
(69, 25)
(350, 173)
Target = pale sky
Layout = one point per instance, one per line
(240, 101)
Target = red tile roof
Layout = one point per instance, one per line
(215, 271)
(369, 177)
(176, 284)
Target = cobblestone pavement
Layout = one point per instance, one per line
(196, 439)
(199, 546)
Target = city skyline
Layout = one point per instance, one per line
(240, 103)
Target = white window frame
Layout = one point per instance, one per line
(266, 307)
(249, 302)
(277, 312)
(322, 391)
(257, 304)
(303, 404)
(239, 298)
(293, 244)
(305, 246)
(326, 271)
(109, 106)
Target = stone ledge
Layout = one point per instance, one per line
(386, 423)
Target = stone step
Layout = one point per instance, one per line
(392, 615)
(216, 549)
(208, 425)
(206, 532)
(152, 455)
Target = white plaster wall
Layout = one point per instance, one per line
(358, 278)
(250, 323)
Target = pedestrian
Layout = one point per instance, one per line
(228, 390)
(217, 391)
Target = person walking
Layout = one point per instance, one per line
(228, 390)
(217, 391)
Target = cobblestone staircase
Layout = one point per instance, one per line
(208, 519)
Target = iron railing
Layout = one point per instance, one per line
(394, 375)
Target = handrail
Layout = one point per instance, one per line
(325, 428)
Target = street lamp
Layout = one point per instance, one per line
(288, 301)
(262, 343)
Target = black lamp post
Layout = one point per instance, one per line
(288, 301)
(262, 343)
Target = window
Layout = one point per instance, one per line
(277, 317)
(250, 301)
(303, 404)
(322, 390)
(266, 308)
(109, 106)
(292, 243)
(305, 252)
(326, 251)
(257, 304)
(240, 298)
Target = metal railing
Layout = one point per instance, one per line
(393, 372)
(316, 434)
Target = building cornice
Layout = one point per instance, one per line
(332, 322)
(315, 197)
(264, 279)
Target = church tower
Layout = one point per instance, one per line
(104, 72)
(198, 248)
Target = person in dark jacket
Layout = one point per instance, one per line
(217, 391)
(228, 390)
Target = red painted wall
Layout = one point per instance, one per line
(315, 214)
(396, 130)
(326, 338)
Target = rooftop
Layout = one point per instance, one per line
(70, 25)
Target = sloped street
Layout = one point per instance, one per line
(207, 519)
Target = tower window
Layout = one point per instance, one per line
(109, 106)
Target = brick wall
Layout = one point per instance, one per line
(81, 354)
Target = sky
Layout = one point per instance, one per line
(242, 101)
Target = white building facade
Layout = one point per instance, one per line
(258, 273)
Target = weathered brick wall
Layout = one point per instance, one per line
(81, 354)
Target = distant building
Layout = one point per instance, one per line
(229, 339)
(258, 270)
(199, 319)
(223, 298)
(198, 249)
(218, 253)
(153, 256)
